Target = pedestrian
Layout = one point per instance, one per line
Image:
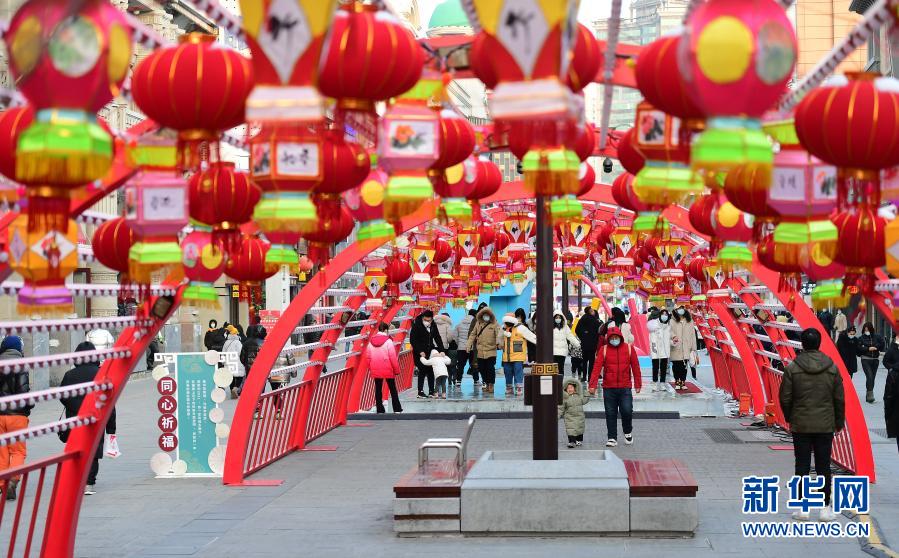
(870, 345)
(840, 323)
(891, 394)
(100, 338)
(522, 317)
(448, 335)
(516, 336)
(12, 419)
(424, 337)
(156, 346)
(214, 339)
(250, 349)
(484, 340)
(683, 347)
(563, 341)
(384, 366)
(571, 411)
(463, 356)
(811, 397)
(83, 373)
(826, 319)
(616, 364)
(619, 320)
(847, 345)
(587, 331)
(659, 328)
(233, 345)
(240, 332)
(439, 363)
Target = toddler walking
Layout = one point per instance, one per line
(438, 362)
(572, 411)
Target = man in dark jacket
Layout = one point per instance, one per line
(255, 336)
(587, 332)
(14, 383)
(424, 337)
(81, 374)
(891, 403)
(847, 345)
(215, 337)
(812, 400)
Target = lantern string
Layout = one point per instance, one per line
(877, 16)
(607, 88)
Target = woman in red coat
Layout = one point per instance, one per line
(616, 364)
(384, 365)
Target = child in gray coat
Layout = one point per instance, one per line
(572, 411)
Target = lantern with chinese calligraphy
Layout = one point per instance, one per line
(44, 259)
(286, 40)
(373, 282)
(68, 61)
(469, 241)
(736, 57)
(575, 253)
(247, 267)
(112, 243)
(197, 87)
(365, 203)
(222, 198)
(204, 262)
(156, 210)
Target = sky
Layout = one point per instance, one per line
(589, 11)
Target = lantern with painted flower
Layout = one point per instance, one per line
(528, 46)
(68, 61)
(204, 262)
(44, 259)
(736, 57)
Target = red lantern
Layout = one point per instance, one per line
(330, 232)
(204, 262)
(398, 269)
(197, 87)
(247, 266)
(487, 182)
(662, 84)
(790, 273)
(457, 140)
(862, 237)
(586, 142)
(850, 122)
(735, 228)
(442, 251)
(630, 158)
(587, 177)
(371, 57)
(111, 243)
(623, 193)
(586, 60)
(222, 198)
(12, 123)
(702, 213)
(365, 203)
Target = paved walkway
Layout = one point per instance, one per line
(339, 503)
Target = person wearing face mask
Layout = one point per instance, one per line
(522, 318)
(484, 339)
(587, 331)
(869, 346)
(847, 345)
(616, 364)
(562, 340)
(659, 346)
(683, 347)
(425, 337)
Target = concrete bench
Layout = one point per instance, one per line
(663, 497)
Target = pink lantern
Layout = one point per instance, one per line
(366, 205)
(204, 262)
(156, 210)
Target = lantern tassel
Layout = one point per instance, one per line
(48, 213)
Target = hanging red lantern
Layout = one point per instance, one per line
(850, 123)
(737, 57)
(223, 198)
(398, 269)
(197, 87)
(585, 142)
(371, 57)
(329, 233)
(204, 262)
(457, 140)
(702, 213)
(586, 60)
(790, 272)
(623, 193)
(365, 203)
(630, 158)
(662, 84)
(13, 122)
(735, 228)
(112, 242)
(68, 61)
(344, 166)
(487, 181)
(247, 266)
(587, 176)
(861, 246)
(442, 251)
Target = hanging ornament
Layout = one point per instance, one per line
(586, 59)
(203, 258)
(734, 227)
(623, 193)
(197, 87)
(68, 61)
(247, 267)
(862, 237)
(13, 122)
(630, 158)
(484, 182)
(44, 259)
(111, 243)
(282, 251)
(736, 57)
(331, 231)
(662, 84)
(587, 178)
(366, 205)
(223, 198)
(457, 140)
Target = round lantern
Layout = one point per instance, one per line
(735, 228)
(44, 259)
(585, 142)
(736, 56)
(482, 183)
(702, 213)
(790, 272)
(486, 238)
(330, 232)
(443, 251)
(662, 84)
(247, 266)
(623, 193)
(371, 57)
(457, 140)
(68, 61)
(586, 60)
(197, 87)
(203, 259)
(862, 235)
(13, 122)
(223, 198)
(849, 122)
(112, 242)
(453, 186)
(630, 158)
(587, 177)
(365, 203)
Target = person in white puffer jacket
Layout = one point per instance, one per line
(659, 326)
(562, 338)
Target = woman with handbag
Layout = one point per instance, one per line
(81, 374)
(483, 341)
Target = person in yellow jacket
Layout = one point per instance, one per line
(515, 339)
